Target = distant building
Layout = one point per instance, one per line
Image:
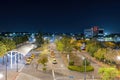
(94, 31)
(113, 37)
(88, 33)
(32, 38)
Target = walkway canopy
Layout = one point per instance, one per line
(24, 50)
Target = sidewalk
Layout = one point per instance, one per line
(11, 75)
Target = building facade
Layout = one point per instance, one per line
(94, 32)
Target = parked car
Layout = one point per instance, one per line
(28, 60)
(32, 56)
(54, 61)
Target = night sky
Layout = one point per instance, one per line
(59, 15)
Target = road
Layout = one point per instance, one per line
(30, 72)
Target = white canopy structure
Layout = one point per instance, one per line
(23, 51)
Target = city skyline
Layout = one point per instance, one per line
(59, 16)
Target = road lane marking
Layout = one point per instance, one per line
(21, 68)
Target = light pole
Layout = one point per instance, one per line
(6, 67)
(17, 61)
(84, 67)
(53, 72)
(118, 58)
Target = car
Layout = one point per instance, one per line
(32, 56)
(28, 60)
(54, 61)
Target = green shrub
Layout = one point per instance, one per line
(71, 62)
(81, 68)
(44, 69)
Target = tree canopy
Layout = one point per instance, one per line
(43, 59)
(39, 39)
(64, 44)
(3, 49)
(10, 44)
(108, 73)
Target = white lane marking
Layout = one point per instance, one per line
(21, 68)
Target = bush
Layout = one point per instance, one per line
(71, 62)
(81, 68)
(44, 69)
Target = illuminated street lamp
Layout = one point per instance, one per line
(83, 58)
(118, 58)
(17, 61)
(1, 76)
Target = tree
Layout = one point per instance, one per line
(108, 73)
(20, 39)
(39, 39)
(3, 50)
(110, 56)
(76, 44)
(67, 46)
(110, 44)
(60, 46)
(100, 54)
(92, 47)
(10, 44)
(43, 60)
(64, 44)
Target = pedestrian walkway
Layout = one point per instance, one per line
(11, 75)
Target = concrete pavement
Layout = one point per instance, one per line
(12, 72)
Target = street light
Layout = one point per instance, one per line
(1, 76)
(118, 58)
(17, 61)
(6, 67)
(83, 58)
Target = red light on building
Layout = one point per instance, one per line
(95, 28)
